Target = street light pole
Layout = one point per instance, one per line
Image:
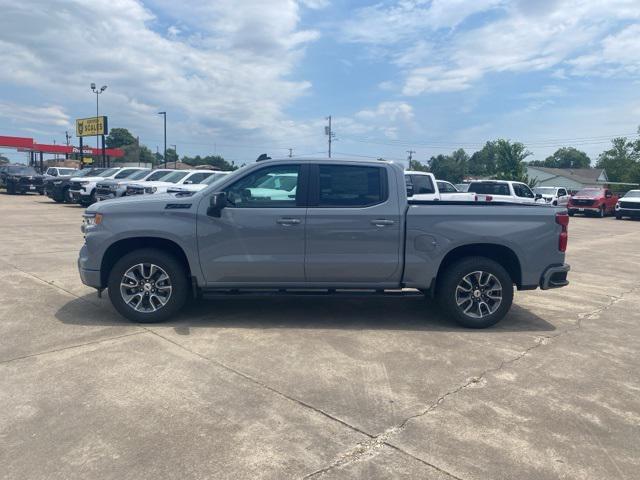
(175, 151)
(164, 114)
(98, 92)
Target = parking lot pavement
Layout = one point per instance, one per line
(319, 388)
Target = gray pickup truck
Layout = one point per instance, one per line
(319, 227)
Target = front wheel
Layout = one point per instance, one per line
(618, 217)
(148, 286)
(601, 212)
(476, 291)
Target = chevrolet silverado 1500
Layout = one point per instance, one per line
(321, 227)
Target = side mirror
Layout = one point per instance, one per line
(188, 182)
(409, 190)
(216, 203)
(538, 196)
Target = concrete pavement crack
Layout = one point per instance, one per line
(371, 447)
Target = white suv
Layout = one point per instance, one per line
(504, 191)
(179, 177)
(83, 189)
(557, 196)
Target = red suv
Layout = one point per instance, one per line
(594, 200)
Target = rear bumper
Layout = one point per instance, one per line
(555, 277)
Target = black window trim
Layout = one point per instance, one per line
(313, 198)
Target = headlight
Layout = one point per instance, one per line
(85, 182)
(150, 189)
(90, 220)
(617, 204)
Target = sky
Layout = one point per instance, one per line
(241, 78)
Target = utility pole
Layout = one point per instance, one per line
(164, 114)
(410, 152)
(290, 152)
(329, 133)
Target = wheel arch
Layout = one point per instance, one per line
(123, 246)
(501, 254)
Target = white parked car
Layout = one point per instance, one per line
(196, 187)
(504, 191)
(59, 172)
(83, 189)
(108, 189)
(178, 177)
(424, 186)
(553, 195)
(629, 205)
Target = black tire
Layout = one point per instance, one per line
(11, 189)
(618, 217)
(173, 268)
(453, 276)
(66, 197)
(601, 212)
(571, 214)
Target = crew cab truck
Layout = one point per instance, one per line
(596, 201)
(346, 227)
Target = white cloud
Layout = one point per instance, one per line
(521, 36)
(42, 115)
(218, 65)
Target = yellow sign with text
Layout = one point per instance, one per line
(90, 127)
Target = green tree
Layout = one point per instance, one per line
(172, 156)
(449, 167)
(483, 162)
(621, 161)
(417, 166)
(4, 160)
(566, 157)
(119, 137)
(510, 160)
(213, 160)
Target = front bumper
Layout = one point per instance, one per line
(573, 209)
(555, 277)
(628, 212)
(89, 277)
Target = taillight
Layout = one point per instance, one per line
(562, 219)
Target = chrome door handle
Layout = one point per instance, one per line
(382, 222)
(288, 221)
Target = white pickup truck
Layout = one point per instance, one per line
(424, 186)
(504, 191)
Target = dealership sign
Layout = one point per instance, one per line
(90, 127)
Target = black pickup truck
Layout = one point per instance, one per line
(57, 188)
(21, 179)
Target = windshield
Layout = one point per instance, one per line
(545, 190)
(175, 177)
(212, 179)
(108, 172)
(139, 175)
(90, 172)
(21, 170)
(590, 192)
(632, 194)
(159, 175)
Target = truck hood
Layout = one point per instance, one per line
(139, 203)
(188, 188)
(88, 179)
(629, 199)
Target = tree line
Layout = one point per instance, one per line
(505, 160)
(135, 152)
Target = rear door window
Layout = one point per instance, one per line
(490, 188)
(422, 184)
(521, 190)
(351, 186)
(446, 187)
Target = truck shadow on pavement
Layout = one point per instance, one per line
(415, 314)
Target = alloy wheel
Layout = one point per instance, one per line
(145, 287)
(479, 294)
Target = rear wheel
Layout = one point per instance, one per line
(476, 291)
(148, 286)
